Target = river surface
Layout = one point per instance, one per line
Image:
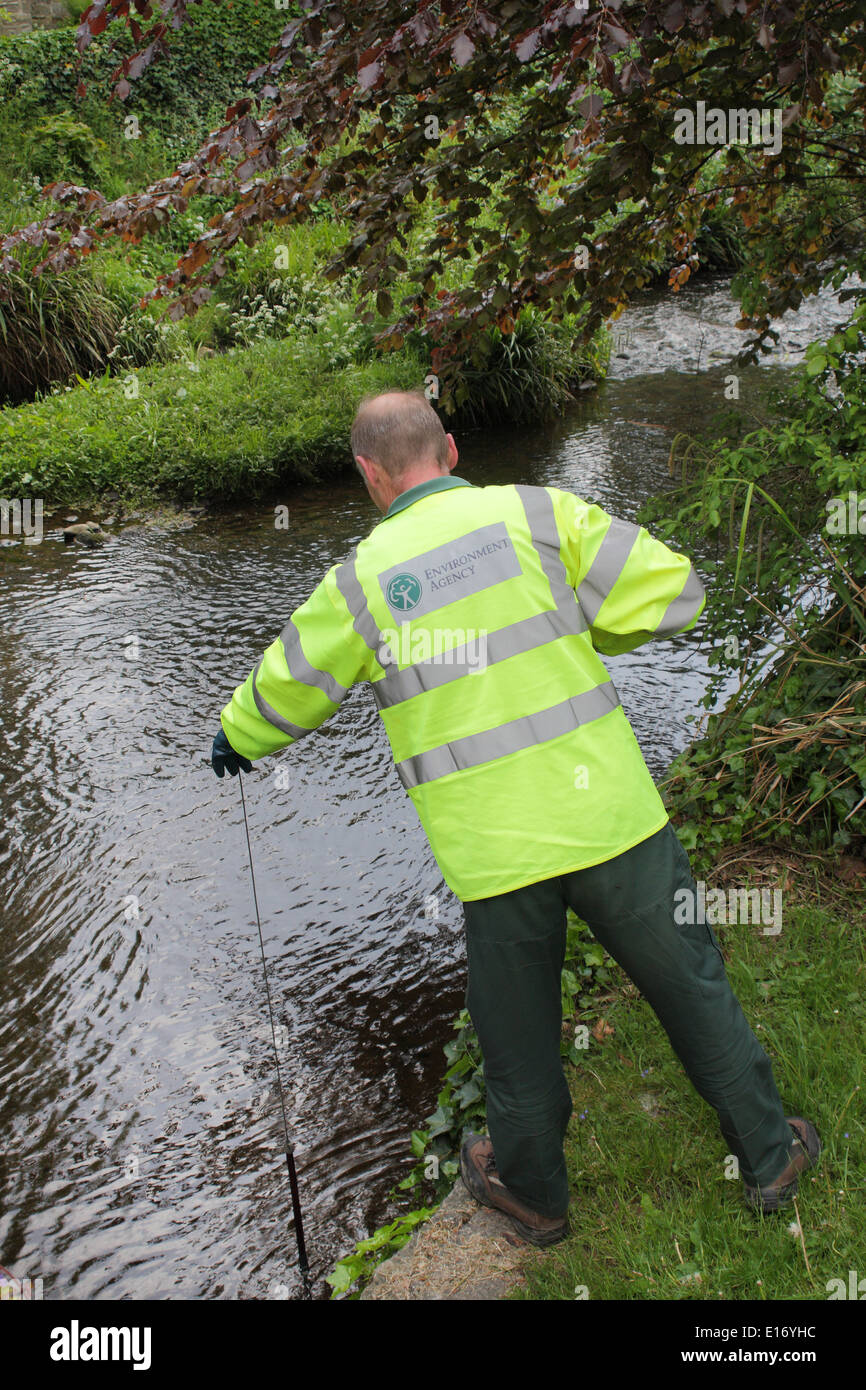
(141, 1144)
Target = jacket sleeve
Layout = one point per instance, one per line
(302, 677)
(631, 587)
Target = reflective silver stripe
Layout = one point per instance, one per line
(544, 533)
(270, 714)
(608, 565)
(508, 641)
(301, 670)
(362, 618)
(683, 608)
(516, 734)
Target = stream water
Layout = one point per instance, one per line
(141, 1144)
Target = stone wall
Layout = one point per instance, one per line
(33, 14)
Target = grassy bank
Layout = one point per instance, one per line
(653, 1214)
(267, 410)
(259, 388)
(231, 426)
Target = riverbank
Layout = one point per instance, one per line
(237, 425)
(656, 1213)
(227, 427)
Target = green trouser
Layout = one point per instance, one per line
(516, 948)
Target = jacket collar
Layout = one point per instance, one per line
(413, 494)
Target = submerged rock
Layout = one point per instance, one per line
(88, 532)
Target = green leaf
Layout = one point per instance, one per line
(345, 1272)
(687, 835)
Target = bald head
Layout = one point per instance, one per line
(400, 431)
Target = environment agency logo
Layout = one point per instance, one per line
(404, 592)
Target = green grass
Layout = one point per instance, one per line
(230, 426)
(652, 1214)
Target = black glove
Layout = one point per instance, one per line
(223, 757)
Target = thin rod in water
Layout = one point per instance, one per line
(290, 1159)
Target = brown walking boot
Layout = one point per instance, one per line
(478, 1171)
(806, 1148)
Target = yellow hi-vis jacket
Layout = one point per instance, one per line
(478, 614)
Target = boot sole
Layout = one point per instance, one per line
(540, 1238)
(769, 1199)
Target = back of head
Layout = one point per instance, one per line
(398, 430)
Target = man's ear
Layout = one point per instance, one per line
(452, 453)
(367, 469)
